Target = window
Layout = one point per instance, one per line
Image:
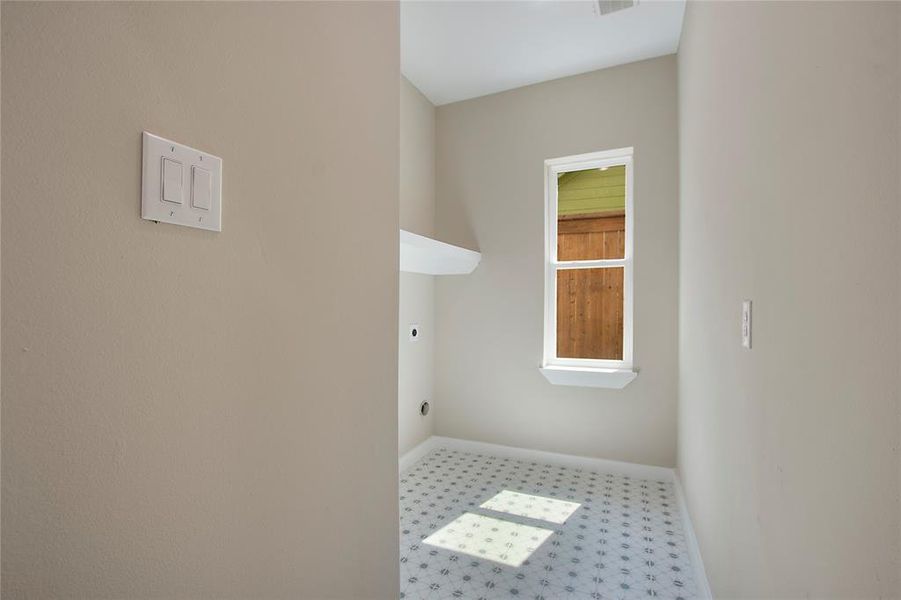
(588, 269)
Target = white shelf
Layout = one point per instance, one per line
(420, 254)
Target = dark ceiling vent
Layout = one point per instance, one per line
(605, 7)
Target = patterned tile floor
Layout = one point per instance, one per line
(624, 541)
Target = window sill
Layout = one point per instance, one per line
(615, 379)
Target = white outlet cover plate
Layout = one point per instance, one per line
(746, 324)
(154, 208)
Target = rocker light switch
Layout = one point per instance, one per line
(201, 188)
(172, 181)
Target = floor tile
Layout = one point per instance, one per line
(623, 541)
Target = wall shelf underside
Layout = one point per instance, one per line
(420, 254)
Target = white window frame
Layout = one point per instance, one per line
(551, 364)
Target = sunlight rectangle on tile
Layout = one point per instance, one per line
(492, 539)
(533, 507)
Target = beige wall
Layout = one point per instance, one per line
(417, 161)
(190, 414)
(789, 452)
(1, 362)
(416, 360)
(490, 195)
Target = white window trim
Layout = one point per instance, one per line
(579, 371)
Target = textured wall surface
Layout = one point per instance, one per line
(189, 414)
(789, 452)
(417, 161)
(490, 194)
(416, 361)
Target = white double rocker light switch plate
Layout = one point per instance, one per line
(181, 185)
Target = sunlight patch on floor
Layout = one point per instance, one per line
(533, 507)
(493, 539)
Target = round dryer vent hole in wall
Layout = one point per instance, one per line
(424, 408)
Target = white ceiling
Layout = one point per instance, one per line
(458, 49)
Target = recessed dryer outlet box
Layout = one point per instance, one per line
(181, 185)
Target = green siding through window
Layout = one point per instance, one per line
(591, 191)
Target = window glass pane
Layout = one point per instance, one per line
(590, 313)
(591, 214)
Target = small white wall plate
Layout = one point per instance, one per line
(746, 324)
(192, 183)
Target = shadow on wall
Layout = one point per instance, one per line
(454, 215)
